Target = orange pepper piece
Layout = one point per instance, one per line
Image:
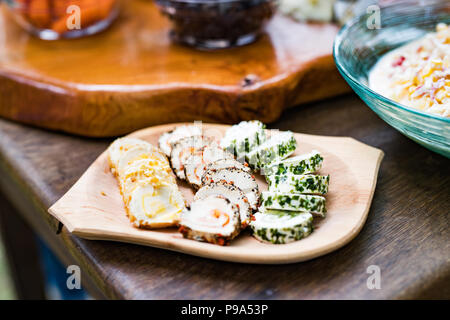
(91, 12)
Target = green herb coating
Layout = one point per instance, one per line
(294, 202)
(304, 184)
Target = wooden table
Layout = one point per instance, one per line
(406, 234)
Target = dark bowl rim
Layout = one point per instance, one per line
(210, 1)
(348, 75)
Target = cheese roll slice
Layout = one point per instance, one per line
(245, 181)
(306, 184)
(280, 227)
(139, 152)
(168, 139)
(241, 138)
(195, 165)
(228, 164)
(155, 206)
(302, 164)
(232, 193)
(183, 149)
(147, 184)
(294, 202)
(119, 147)
(278, 147)
(145, 172)
(213, 219)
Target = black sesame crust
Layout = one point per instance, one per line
(207, 178)
(188, 233)
(236, 164)
(218, 239)
(209, 189)
(226, 156)
(191, 141)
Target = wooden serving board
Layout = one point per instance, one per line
(93, 208)
(131, 76)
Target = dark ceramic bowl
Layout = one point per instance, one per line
(215, 24)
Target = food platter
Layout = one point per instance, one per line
(93, 208)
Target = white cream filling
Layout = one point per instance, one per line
(122, 145)
(150, 204)
(240, 132)
(136, 153)
(211, 215)
(280, 220)
(241, 179)
(168, 139)
(296, 159)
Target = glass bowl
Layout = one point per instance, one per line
(57, 19)
(357, 48)
(216, 24)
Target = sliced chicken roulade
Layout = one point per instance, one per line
(168, 139)
(245, 181)
(232, 193)
(183, 149)
(212, 219)
(196, 164)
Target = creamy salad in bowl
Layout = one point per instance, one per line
(417, 74)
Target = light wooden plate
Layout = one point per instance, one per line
(93, 207)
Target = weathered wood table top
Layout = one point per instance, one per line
(406, 234)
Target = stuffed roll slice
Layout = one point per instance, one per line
(183, 149)
(213, 219)
(196, 164)
(168, 139)
(280, 227)
(232, 193)
(294, 202)
(244, 180)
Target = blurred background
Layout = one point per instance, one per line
(7, 291)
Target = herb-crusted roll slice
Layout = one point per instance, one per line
(278, 147)
(241, 138)
(232, 193)
(237, 177)
(228, 164)
(183, 149)
(294, 202)
(168, 139)
(213, 219)
(195, 165)
(306, 184)
(279, 227)
(302, 164)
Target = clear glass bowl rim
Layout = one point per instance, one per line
(336, 49)
(18, 7)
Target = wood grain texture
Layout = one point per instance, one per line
(131, 76)
(406, 233)
(93, 208)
